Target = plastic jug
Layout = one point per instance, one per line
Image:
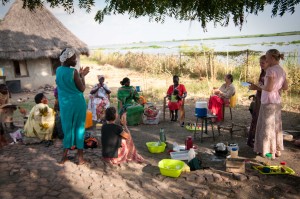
(283, 166)
(269, 159)
(88, 119)
(162, 135)
(188, 143)
(234, 153)
(201, 109)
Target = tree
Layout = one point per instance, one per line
(204, 11)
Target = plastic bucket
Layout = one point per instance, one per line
(170, 167)
(88, 119)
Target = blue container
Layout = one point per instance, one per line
(138, 89)
(201, 112)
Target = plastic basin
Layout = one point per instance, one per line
(153, 148)
(170, 167)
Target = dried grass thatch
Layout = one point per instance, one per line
(37, 34)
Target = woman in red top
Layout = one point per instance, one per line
(176, 93)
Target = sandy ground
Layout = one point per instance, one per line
(34, 168)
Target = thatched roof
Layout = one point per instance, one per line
(37, 34)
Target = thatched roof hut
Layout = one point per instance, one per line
(33, 35)
(30, 35)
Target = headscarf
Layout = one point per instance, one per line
(66, 54)
(99, 76)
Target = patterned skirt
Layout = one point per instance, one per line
(268, 136)
(127, 152)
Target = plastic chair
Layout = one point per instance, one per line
(231, 104)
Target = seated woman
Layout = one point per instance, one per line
(176, 93)
(117, 143)
(221, 96)
(99, 99)
(40, 121)
(6, 112)
(129, 101)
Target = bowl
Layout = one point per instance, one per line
(153, 147)
(170, 167)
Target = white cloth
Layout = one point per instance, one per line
(68, 53)
(97, 98)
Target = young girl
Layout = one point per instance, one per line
(117, 143)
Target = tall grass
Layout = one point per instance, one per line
(202, 69)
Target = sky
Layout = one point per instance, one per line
(119, 29)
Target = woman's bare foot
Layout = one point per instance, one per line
(81, 161)
(63, 160)
(65, 157)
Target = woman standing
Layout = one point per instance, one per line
(99, 99)
(263, 66)
(176, 95)
(268, 136)
(70, 87)
(221, 96)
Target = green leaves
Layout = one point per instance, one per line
(204, 11)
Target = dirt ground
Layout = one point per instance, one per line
(133, 180)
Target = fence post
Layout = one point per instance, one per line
(247, 65)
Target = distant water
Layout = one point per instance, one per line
(173, 47)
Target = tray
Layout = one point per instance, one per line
(189, 128)
(180, 155)
(275, 170)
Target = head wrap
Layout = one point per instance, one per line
(66, 54)
(99, 76)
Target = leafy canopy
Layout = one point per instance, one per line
(204, 11)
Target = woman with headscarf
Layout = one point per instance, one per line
(40, 122)
(221, 96)
(70, 87)
(268, 135)
(99, 99)
(128, 101)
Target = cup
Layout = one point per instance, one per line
(138, 89)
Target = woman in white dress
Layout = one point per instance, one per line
(99, 99)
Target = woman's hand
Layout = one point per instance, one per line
(100, 85)
(217, 91)
(254, 87)
(123, 119)
(84, 71)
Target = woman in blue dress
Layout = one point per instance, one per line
(70, 87)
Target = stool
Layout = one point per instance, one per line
(231, 129)
(204, 120)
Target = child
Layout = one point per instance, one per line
(117, 143)
(174, 106)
